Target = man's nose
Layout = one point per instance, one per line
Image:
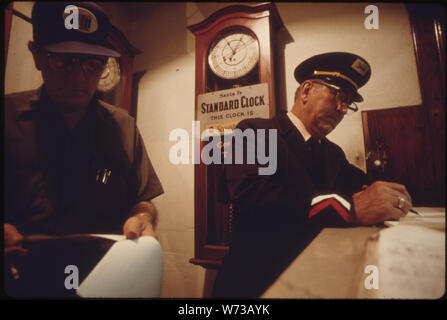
(342, 107)
(76, 71)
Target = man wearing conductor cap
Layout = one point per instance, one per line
(73, 163)
(314, 185)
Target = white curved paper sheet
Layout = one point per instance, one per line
(130, 269)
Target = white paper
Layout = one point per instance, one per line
(433, 218)
(411, 263)
(130, 269)
(115, 237)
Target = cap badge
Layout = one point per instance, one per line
(87, 22)
(360, 66)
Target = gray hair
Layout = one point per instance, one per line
(297, 92)
(300, 87)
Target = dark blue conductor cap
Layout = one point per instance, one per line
(345, 70)
(53, 28)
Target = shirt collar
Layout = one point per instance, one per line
(299, 125)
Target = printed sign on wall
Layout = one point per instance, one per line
(226, 108)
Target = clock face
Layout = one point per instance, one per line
(111, 76)
(233, 55)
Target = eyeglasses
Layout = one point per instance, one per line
(340, 96)
(63, 61)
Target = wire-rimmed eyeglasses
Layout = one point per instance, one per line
(340, 96)
(89, 63)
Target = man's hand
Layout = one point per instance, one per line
(137, 226)
(142, 221)
(379, 202)
(13, 239)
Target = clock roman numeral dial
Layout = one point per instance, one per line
(233, 55)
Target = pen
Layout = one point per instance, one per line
(418, 213)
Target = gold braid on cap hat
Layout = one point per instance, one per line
(336, 74)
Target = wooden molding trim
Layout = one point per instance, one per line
(249, 8)
(208, 264)
(8, 24)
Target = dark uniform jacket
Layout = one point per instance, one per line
(83, 180)
(276, 216)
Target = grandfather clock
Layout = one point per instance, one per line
(236, 70)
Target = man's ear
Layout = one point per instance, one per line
(305, 90)
(37, 54)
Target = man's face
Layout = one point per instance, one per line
(70, 79)
(322, 112)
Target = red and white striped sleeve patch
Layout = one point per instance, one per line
(322, 202)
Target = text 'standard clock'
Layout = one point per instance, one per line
(235, 80)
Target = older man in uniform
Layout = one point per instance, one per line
(314, 186)
(73, 164)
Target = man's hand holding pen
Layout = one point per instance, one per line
(379, 202)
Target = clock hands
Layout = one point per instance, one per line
(232, 50)
(240, 41)
(244, 45)
(239, 47)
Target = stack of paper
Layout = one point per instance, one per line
(411, 263)
(410, 257)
